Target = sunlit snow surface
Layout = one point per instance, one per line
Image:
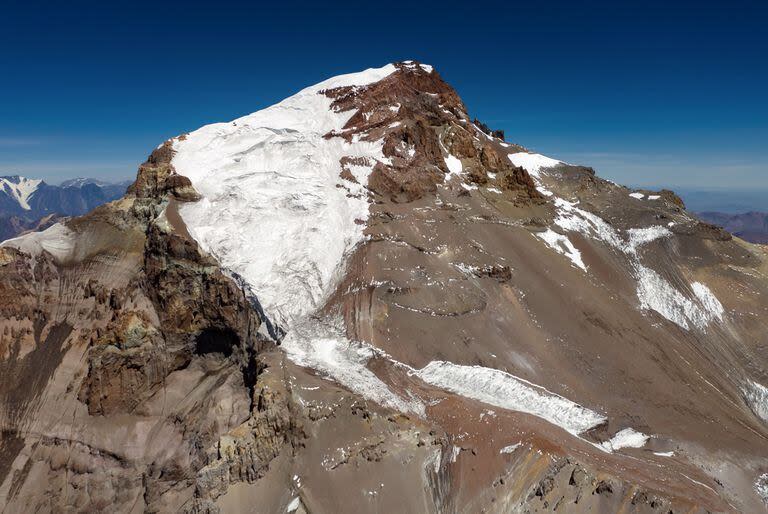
(533, 162)
(507, 391)
(271, 210)
(627, 438)
(323, 347)
(454, 165)
(57, 240)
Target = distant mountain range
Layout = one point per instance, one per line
(750, 226)
(28, 204)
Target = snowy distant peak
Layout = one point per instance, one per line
(19, 188)
(83, 181)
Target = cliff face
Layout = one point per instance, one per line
(359, 300)
(126, 354)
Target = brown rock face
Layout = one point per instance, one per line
(123, 363)
(157, 178)
(421, 120)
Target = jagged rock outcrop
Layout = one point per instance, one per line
(140, 342)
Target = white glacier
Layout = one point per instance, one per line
(271, 210)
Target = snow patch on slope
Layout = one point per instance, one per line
(761, 487)
(656, 293)
(454, 165)
(627, 438)
(653, 291)
(507, 391)
(561, 244)
(324, 348)
(533, 162)
(57, 240)
(756, 396)
(641, 236)
(271, 211)
(709, 302)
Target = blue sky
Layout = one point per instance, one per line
(647, 95)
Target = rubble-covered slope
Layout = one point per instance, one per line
(360, 299)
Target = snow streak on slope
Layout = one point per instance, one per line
(20, 189)
(271, 210)
(507, 391)
(561, 244)
(324, 348)
(653, 291)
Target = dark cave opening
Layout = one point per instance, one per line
(216, 340)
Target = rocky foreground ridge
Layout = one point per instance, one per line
(359, 300)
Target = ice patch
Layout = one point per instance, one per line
(294, 505)
(639, 196)
(322, 347)
(641, 236)
(509, 449)
(454, 165)
(711, 305)
(654, 197)
(561, 244)
(271, 211)
(574, 219)
(507, 391)
(655, 293)
(57, 240)
(455, 451)
(756, 396)
(627, 438)
(761, 487)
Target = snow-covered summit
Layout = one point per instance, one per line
(273, 211)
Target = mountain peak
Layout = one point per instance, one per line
(20, 188)
(373, 291)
